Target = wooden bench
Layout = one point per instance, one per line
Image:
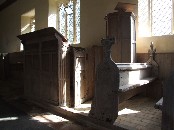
(129, 90)
(134, 79)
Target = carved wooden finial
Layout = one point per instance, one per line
(151, 60)
(152, 51)
(107, 44)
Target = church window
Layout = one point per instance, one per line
(69, 20)
(155, 17)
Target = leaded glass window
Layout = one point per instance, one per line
(69, 20)
(62, 17)
(155, 17)
(143, 18)
(161, 17)
(78, 21)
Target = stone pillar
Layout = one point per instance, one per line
(168, 104)
(105, 103)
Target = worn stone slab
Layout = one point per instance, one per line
(105, 103)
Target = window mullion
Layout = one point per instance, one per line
(74, 21)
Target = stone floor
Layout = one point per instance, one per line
(137, 113)
(13, 119)
(17, 113)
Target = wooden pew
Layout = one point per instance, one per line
(116, 82)
(134, 79)
(148, 73)
(129, 90)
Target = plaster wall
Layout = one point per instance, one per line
(52, 14)
(163, 44)
(92, 23)
(93, 26)
(10, 23)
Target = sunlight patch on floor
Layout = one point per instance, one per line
(49, 118)
(126, 111)
(9, 118)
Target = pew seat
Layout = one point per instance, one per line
(129, 90)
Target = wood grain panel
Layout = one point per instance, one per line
(164, 60)
(166, 63)
(45, 66)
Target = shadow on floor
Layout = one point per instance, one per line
(13, 119)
